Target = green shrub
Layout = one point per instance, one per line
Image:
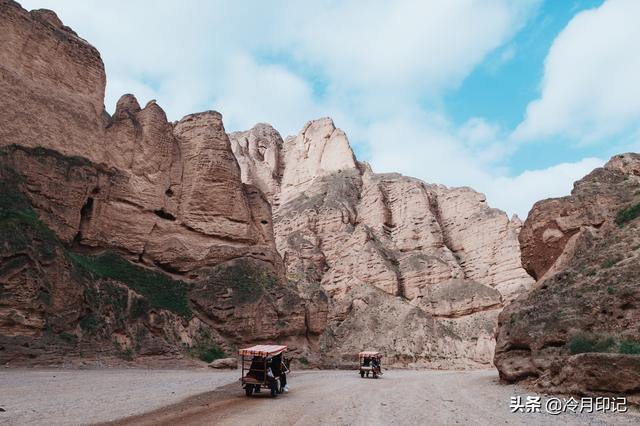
(89, 323)
(207, 352)
(610, 262)
(303, 360)
(629, 347)
(139, 307)
(20, 228)
(161, 291)
(584, 344)
(68, 338)
(611, 290)
(247, 281)
(127, 354)
(628, 214)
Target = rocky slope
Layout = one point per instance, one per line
(128, 225)
(419, 271)
(578, 330)
(131, 235)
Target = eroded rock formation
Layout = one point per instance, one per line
(133, 192)
(417, 270)
(133, 234)
(577, 331)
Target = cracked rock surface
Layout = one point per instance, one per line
(578, 330)
(127, 234)
(417, 270)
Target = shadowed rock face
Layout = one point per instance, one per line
(578, 330)
(175, 198)
(166, 198)
(397, 257)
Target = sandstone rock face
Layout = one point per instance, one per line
(52, 84)
(170, 194)
(131, 192)
(94, 298)
(577, 330)
(134, 236)
(417, 270)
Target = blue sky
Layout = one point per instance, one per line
(515, 98)
(501, 87)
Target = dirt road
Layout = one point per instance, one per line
(73, 397)
(341, 397)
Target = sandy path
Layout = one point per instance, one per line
(341, 397)
(60, 397)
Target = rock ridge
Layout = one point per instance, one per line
(153, 242)
(577, 330)
(408, 245)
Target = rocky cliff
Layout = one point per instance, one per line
(419, 271)
(578, 330)
(131, 235)
(126, 224)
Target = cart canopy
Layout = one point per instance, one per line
(370, 354)
(263, 350)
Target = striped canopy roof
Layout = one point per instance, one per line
(263, 350)
(370, 354)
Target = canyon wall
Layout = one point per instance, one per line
(578, 330)
(128, 234)
(419, 271)
(132, 207)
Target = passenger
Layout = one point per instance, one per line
(375, 363)
(283, 375)
(256, 370)
(270, 375)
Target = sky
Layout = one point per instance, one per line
(516, 99)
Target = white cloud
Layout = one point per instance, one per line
(403, 43)
(518, 194)
(590, 87)
(374, 56)
(375, 61)
(435, 151)
(264, 93)
(387, 54)
(426, 147)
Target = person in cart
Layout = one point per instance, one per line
(370, 363)
(263, 366)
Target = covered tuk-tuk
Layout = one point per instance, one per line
(263, 366)
(370, 363)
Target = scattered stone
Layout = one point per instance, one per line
(224, 363)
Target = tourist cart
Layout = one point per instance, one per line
(256, 363)
(370, 362)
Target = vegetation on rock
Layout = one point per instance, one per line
(158, 289)
(628, 214)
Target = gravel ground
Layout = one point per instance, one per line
(196, 397)
(400, 397)
(66, 397)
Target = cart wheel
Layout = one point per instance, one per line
(367, 374)
(362, 374)
(248, 390)
(274, 389)
(375, 376)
